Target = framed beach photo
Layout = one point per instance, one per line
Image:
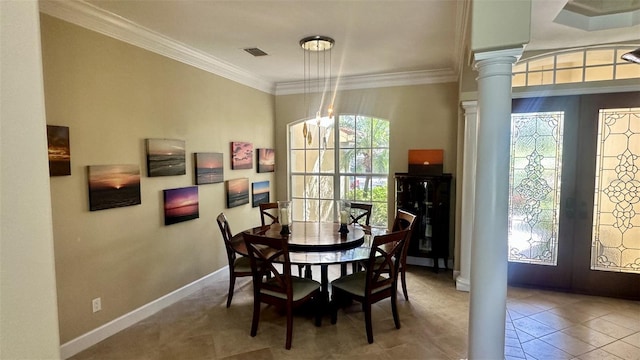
(266, 160)
(241, 155)
(237, 192)
(112, 186)
(59, 151)
(165, 157)
(259, 193)
(181, 204)
(208, 168)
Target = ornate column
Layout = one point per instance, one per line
(468, 192)
(488, 292)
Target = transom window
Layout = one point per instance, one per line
(326, 165)
(575, 66)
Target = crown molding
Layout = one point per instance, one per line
(93, 18)
(374, 81)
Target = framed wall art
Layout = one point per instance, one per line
(165, 157)
(237, 192)
(260, 193)
(241, 155)
(112, 186)
(59, 151)
(209, 168)
(266, 160)
(181, 204)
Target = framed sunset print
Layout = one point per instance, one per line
(266, 160)
(237, 192)
(259, 193)
(209, 168)
(112, 186)
(59, 151)
(181, 204)
(165, 157)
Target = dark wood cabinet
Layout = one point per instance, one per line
(427, 197)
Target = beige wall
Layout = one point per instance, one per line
(112, 96)
(28, 317)
(421, 117)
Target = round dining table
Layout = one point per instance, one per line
(317, 243)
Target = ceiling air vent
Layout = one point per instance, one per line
(255, 51)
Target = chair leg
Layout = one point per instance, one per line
(232, 283)
(333, 306)
(321, 304)
(403, 277)
(256, 315)
(367, 321)
(289, 326)
(394, 310)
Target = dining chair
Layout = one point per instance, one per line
(275, 287)
(360, 213)
(239, 265)
(267, 214)
(377, 282)
(404, 221)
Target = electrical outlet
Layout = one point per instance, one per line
(97, 304)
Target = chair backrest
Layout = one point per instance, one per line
(267, 213)
(404, 221)
(264, 252)
(360, 213)
(384, 261)
(226, 236)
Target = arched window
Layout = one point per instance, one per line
(346, 158)
(575, 66)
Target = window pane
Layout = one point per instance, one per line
(540, 78)
(616, 234)
(327, 161)
(297, 186)
(379, 214)
(312, 164)
(326, 187)
(534, 187)
(363, 161)
(519, 67)
(380, 161)
(599, 57)
(545, 63)
(347, 184)
(326, 210)
(296, 160)
(297, 139)
(598, 73)
(621, 51)
(347, 131)
(380, 133)
(627, 71)
(312, 186)
(347, 161)
(568, 76)
(298, 207)
(363, 132)
(519, 80)
(574, 59)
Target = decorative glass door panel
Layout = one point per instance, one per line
(616, 208)
(534, 187)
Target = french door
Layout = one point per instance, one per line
(574, 210)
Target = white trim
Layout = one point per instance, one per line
(546, 91)
(374, 81)
(94, 336)
(93, 18)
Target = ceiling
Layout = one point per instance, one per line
(372, 38)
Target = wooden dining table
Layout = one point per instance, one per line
(317, 243)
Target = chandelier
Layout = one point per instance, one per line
(317, 78)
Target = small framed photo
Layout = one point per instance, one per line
(241, 155)
(165, 157)
(209, 168)
(181, 204)
(237, 192)
(266, 160)
(59, 151)
(260, 193)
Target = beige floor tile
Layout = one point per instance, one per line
(608, 328)
(623, 350)
(568, 343)
(598, 354)
(539, 349)
(589, 335)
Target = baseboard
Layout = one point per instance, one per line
(421, 261)
(94, 336)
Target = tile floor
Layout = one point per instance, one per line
(540, 325)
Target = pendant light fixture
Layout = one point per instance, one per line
(317, 78)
